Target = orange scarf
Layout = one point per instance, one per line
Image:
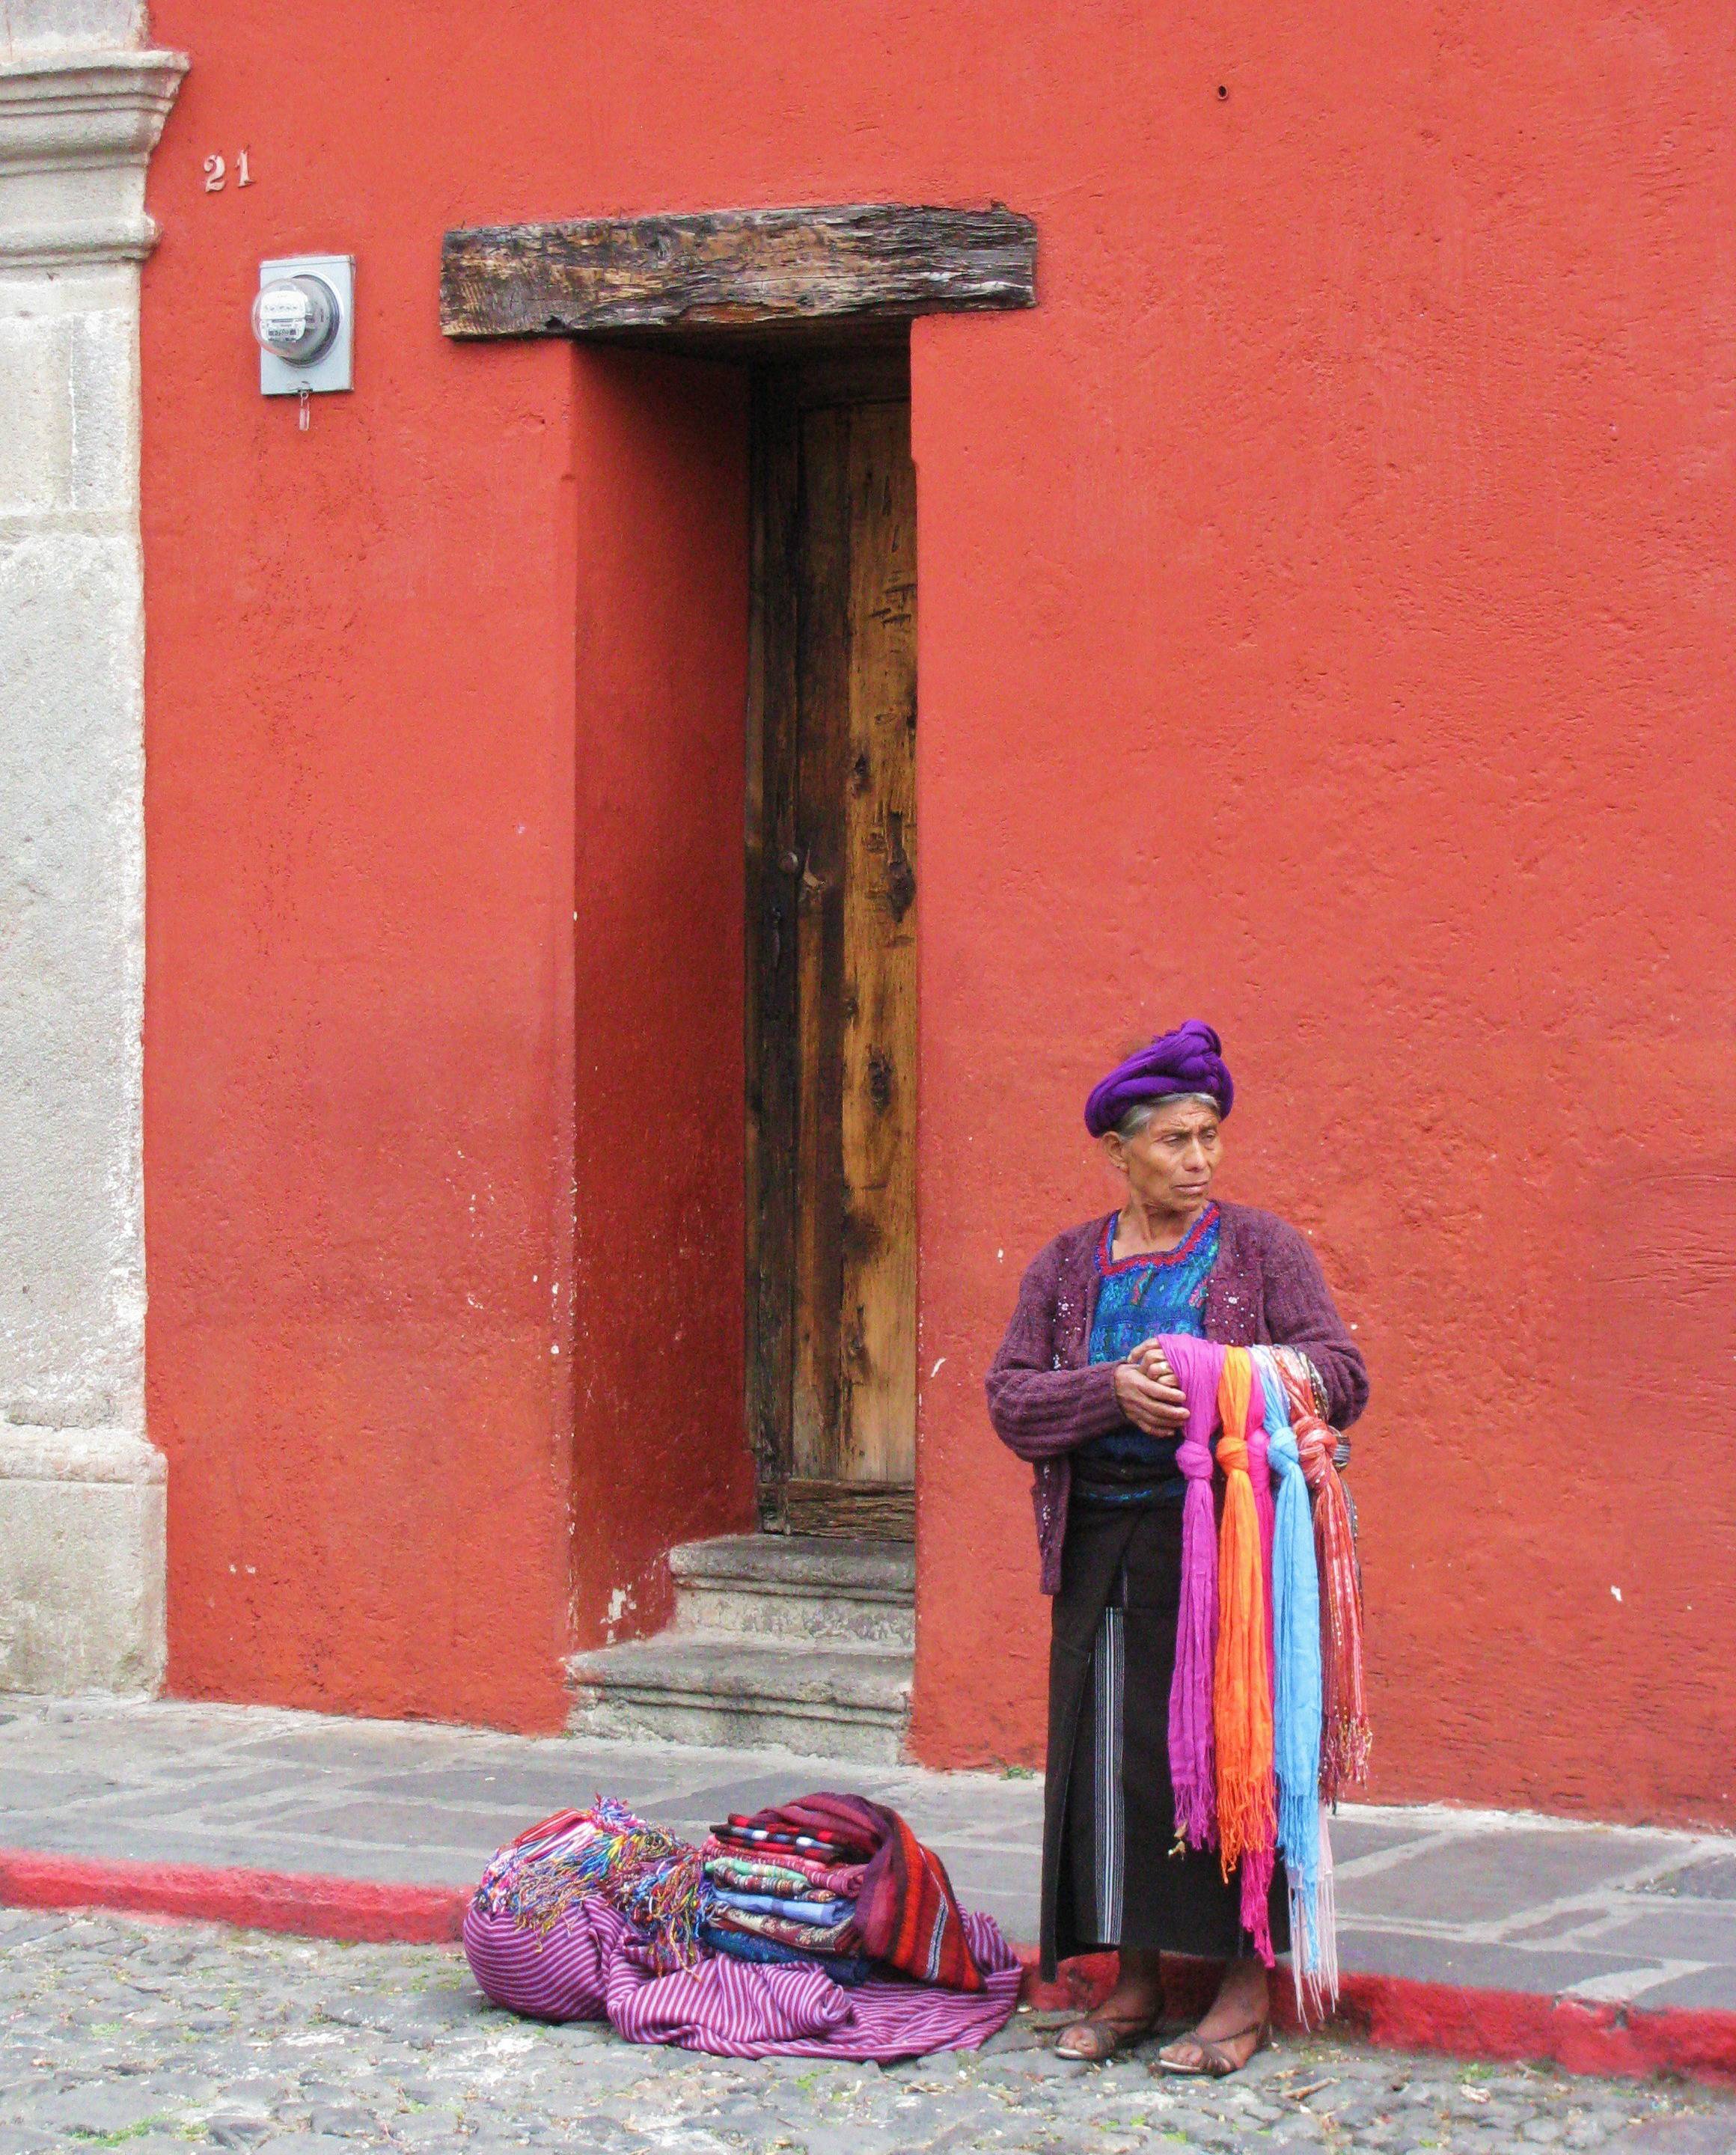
(1241, 1678)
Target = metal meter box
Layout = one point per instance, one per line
(306, 305)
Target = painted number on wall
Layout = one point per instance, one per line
(217, 173)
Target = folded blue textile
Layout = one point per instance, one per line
(826, 1914)
(847, 1969)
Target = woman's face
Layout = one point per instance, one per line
(1171, 1164)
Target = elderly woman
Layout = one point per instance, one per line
(1080, 1387)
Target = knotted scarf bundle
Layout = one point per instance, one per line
(1241, 1680)
(1198, 1366)
(642, 1872)
(1297, 1702)
(1345, 1735)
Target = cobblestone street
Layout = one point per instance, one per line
(147, 2036)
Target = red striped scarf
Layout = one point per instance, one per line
(1345, 1738)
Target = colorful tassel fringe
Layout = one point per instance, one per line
(645, 1873)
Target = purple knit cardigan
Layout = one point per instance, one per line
(1045, 1395)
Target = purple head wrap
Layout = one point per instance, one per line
(1188, 1060)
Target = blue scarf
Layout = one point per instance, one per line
(1295, 1713)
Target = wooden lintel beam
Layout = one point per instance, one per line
(734, 269)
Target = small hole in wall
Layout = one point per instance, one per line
(1223, 91)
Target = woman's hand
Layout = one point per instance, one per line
(1150, 1356)
(1153, 1402)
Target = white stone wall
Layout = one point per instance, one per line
(29, 27)
(81, 1487)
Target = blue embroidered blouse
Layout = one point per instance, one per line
(1138, 1296)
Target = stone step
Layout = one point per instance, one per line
(727, 1688)
(797, 1586)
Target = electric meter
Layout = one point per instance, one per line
(296, 318)
(304, 323)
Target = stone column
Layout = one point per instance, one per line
(81, 1487)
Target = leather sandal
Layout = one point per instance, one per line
(1215, 2062)
(1107, 2037)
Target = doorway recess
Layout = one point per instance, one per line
(816, 303)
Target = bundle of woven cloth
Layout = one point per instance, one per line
(837, 1879)
(821, 1927)
(1268, 1721)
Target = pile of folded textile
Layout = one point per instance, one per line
(780, 1895)
(904, 1913)
(820, 1928)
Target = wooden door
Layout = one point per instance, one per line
(832, 1216)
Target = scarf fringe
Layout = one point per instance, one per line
(1244, 1816)
(1193, 1762)
(649, 1876)
(1323, 1976)
(1296, 1826)
(1301, 1949)
(1345, 1760)
(1258, 1867)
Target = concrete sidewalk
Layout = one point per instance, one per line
(1478, 1901)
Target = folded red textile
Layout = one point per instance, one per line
(755, 1833)
(907, 1915)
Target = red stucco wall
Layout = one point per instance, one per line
(1326, 629)
(358, 1045)
(661, 1451)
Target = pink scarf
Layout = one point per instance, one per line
(1198, 1365)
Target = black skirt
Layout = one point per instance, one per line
(1110, 1876)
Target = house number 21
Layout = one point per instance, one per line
(217, 173)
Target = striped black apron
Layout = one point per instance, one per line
(1109, 1876)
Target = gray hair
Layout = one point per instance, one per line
(1137, 1116)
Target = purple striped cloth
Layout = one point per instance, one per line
(591, 1966)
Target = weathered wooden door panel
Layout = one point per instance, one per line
(877, 1113)
(818, 1407)
(832, 860)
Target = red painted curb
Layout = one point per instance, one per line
(1579, 2036)
(354, 1909)
(1391, 2011)
(1397, 2013)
